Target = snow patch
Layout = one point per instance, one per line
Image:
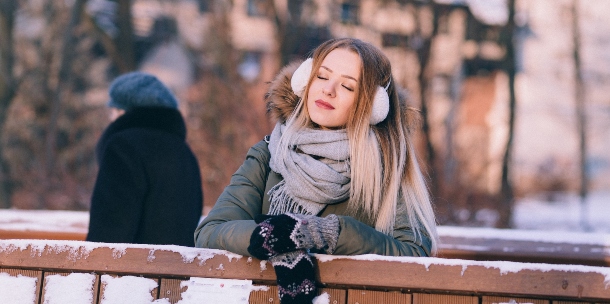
(324, 298)
(81, 250)
(17, 290)
(226, 291)
(128, 289)
(80, 286)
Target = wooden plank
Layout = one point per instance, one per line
(337, 296)
(27, 273)
(148, 261)
(569, 302)
(432, 275)
(510, 300)
(270, 296)
(94, 287)
(170, 289)
(424, 298)
(355, 296)
(473, 277)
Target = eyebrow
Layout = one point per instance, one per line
(343, 75)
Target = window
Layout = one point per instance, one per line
(257, 8)
(394, 40)
(204, 6)
(250, 66)
(349, 13)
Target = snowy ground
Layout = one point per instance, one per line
(563, 213)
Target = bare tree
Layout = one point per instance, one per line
(120, 49)
(581, 117)
(506, 187)
(423, 48)
(8, 85)
(63, 83)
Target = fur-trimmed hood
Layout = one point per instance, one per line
(280, 98)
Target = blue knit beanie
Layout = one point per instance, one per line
(137, 89)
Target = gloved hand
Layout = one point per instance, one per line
(296, 277)
(277, 234)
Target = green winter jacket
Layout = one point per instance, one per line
(230, 223)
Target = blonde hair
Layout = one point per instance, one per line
(384, 167)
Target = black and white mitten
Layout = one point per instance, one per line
(288, 232)
(296, 277)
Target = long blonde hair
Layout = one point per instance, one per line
(384, 167)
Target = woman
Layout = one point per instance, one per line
(338, 175)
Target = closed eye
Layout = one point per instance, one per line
(320, 77)
(348, 88)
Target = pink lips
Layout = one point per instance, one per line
(324, 105)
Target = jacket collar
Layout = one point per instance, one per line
(152, 118)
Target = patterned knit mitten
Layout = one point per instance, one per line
(288, 232)
(296, 277)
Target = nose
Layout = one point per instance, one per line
(329, 89)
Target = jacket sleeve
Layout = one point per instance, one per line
(116, 202)
(230, 223)
(358, 238)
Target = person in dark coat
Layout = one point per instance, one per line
(148, 188)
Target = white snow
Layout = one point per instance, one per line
(324, 298)
(226, 291)
(44, 220)
(602, 239)
(80, 286)
(562, 212)
(17, 289)
(78, 249)
(128, 289)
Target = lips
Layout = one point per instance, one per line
(324, 105)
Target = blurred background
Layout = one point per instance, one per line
(512, 93)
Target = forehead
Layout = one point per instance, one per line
(343, 62)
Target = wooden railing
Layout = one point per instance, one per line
(467, 243)
(344, 280)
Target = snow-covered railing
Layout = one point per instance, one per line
(554, 247)
(83, 272)
(482, 244)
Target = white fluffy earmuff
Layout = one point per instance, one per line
(381, 103)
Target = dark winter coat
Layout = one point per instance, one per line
(230, 223)
(148, 188)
